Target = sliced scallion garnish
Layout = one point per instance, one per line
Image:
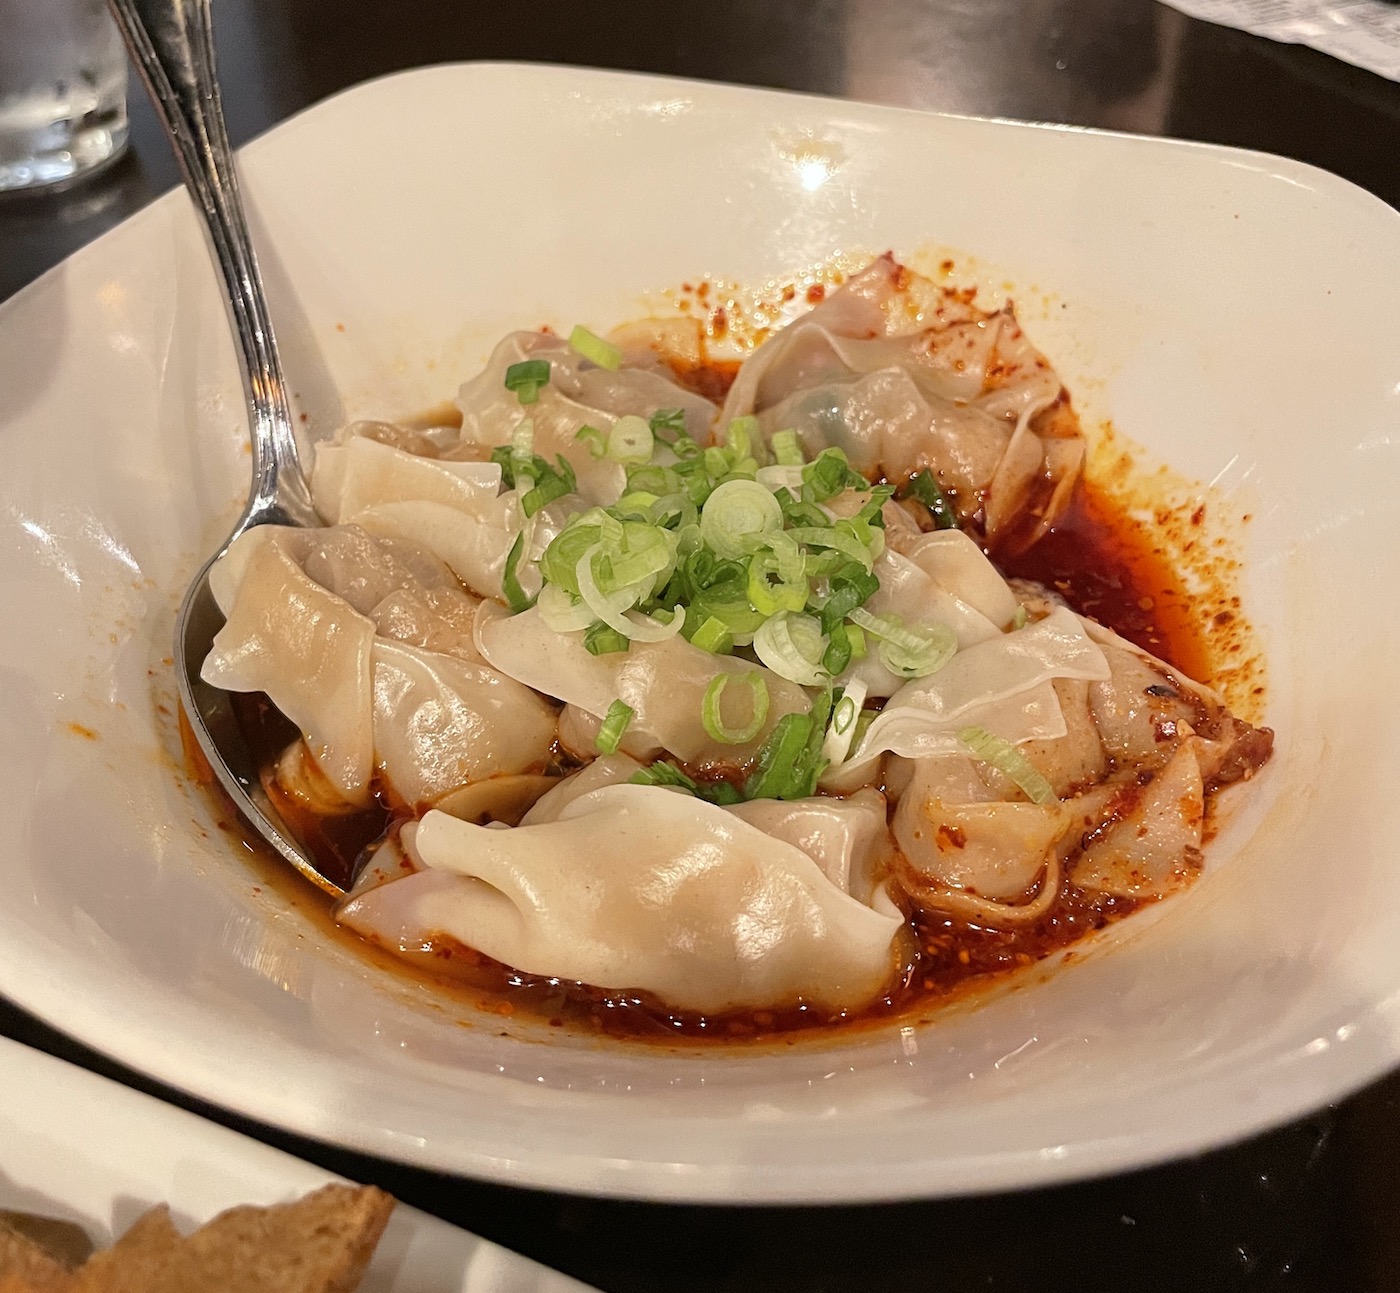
(510, 584)
(737, 515)
(908, 652)
(792, 645)
(671, 421)
(845, 718)
(787, 450)
(601, 639)
(596, 441)
(1005, 757)
(790, 759)
(711, 715)
(594, 349)
(923, 488)
(630, 440)
(526, 378)
(615, 723)
(713, 636)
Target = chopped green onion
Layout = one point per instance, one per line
(828, 474)
(743, 440)
(838, 650)
(924, 489)
(630, 440)
(552, 485)
(667, 774)
(798, 514)
(790, 761)
(522, 450)
(595, 349)
(769, 590)
(792, 646)
(851, 586)
(671, 420)
(655, 480)
(779, 755)
(737, 516)
(845, 717)
(601, 639)
(838, 537)
(713, 636)
(526, 378)
(1018, 621)
(614, 725)
(910, 653)
(562, 611)
(510, 585)
(712, 717)
(1005, 757)
(596, 441)
(639, 628)
(787, 451)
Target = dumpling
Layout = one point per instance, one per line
(1129, 770)
(307, 648)
(636, 887)
(421, 716)
(961, 393)
(455, 510)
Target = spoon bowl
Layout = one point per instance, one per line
(172, 44)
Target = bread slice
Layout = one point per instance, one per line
(26, 1267)
(319, 1244)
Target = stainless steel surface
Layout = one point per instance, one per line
(172, 44)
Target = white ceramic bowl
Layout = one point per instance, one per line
(1234, 313)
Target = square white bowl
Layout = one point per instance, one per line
(1234, 313)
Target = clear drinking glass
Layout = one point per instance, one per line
(62, 90)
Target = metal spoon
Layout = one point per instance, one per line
(172, 44)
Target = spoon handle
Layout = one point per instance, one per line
(172, 44)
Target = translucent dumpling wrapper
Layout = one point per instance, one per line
(307, 648)
(356, 472)
(974, 855)
(903, 377)
(607, 770)
(940, 578)
(453, 509)
(847, 838)
(578, 394)
(663, 682)
(1129, 772)
(441, 723)
(1150, 842)
(429, 721)
(441, 620)
(636, 887)
(1004, 684)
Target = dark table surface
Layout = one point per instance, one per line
(1314, 1205)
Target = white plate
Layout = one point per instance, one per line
(76, 1147)
(1235, 313)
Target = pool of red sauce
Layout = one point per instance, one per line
(1099, 560)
